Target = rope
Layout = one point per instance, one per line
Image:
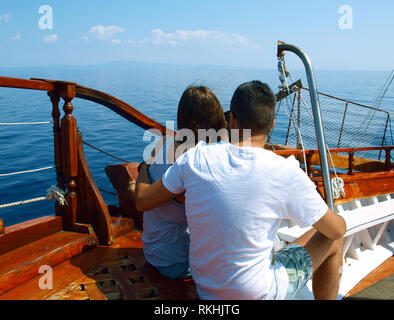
(283, 78)
(377, 103)
(27, 171)
(102, 151)
(13, 204)
(338, 188)
(53, 193)
(109, 192)
(22, 123)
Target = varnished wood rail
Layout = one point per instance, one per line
(85, 210)
(375, 165)
(365, 177)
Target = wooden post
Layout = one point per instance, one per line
(309, 164)
(351, 163)
(343, 123)
(1, 227)
(69, 155)
(387, 163)
(55, 98)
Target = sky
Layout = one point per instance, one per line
(336, 34)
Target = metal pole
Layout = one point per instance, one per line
(316, 116)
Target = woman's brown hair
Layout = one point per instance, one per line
(199, 108)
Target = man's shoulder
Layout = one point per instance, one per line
(204, 147)
(278, 159)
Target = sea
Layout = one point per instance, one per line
(155, 90)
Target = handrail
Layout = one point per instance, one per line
(288, 152)
(26, 84)
(351, 161)
(120, 107)
(317, 118)
(84, 209)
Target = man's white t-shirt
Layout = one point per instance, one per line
(235, 199)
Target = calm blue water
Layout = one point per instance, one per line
(153, 90)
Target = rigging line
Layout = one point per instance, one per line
(102, 151)
(378, 101)
(311, 116)
(291, 118)
(271, 131)
(327, 148)
(53, 193)
(22, 123)
(298, 131)
(306, 107)
(27, 171)
(302, 99)
(109, 192)
(13, 204)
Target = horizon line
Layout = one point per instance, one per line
(180, 65)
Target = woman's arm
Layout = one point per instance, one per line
(147, 195)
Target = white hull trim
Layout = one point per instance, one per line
(369, 239)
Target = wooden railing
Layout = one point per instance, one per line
(85, 209)
(363, 178)
(374, 165)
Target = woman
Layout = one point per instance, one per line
(165, 233)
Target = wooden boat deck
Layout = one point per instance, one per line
(111, 272)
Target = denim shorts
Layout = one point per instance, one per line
(176, 271)
(298, 265)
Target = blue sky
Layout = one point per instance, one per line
(217, 32)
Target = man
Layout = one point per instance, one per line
(236, 197)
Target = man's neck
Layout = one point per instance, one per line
(257, 141)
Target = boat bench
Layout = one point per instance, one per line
(367, 241)
(366, 222)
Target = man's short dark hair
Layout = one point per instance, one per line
(253, 104)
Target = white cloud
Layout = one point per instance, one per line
(201, 37)
(5, 17)
(102, 33)
(18, 36)
(86, 38)
(50, 38)
(179, 38)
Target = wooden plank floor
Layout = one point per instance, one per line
(107, 273)
(121, 272)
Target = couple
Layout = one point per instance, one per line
(235, 196)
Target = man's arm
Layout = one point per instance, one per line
(147, 195)
(331, 225)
